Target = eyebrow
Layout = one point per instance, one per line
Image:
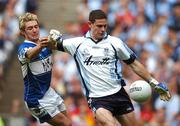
(102, 25)
(32, 26)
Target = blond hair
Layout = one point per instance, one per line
(26, 18)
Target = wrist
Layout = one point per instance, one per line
(39, 46)
(153, 82)
(59, 46)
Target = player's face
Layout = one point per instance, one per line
(31, 32)
(98, 28)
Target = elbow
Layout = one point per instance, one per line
(29, 56)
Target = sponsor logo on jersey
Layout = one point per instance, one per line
(85, 52)
(90, 61)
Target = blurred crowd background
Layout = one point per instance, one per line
(151, 28)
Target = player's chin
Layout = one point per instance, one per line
(35, 39)
(100, 37)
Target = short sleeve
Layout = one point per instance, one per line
(22, 54)
(123, 51)
(70, 45)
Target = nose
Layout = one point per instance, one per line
(34, 29)
(103, 28)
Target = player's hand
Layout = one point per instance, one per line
(163, 91)
(43, 42)
(55, 36)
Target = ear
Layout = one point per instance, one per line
(90, 24)
(22, 33)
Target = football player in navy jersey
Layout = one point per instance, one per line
(35, 56)
(98, 57)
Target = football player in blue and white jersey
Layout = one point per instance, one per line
(98, 57)
(35, 56)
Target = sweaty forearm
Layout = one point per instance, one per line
(31, 53)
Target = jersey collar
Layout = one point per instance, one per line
(27, 41)
(88, 35)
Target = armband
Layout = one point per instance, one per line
(131, 59)
(60, 46)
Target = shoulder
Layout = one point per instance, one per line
(114, 40)
(24, 46)
(73, 41)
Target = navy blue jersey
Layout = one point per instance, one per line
(36, 72)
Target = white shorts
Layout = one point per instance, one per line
(49, 106)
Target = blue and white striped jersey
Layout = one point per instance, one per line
(99, 63)
(36, 72)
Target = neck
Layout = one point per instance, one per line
(95, 39)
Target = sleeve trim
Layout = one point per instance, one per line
(131, 59)
(60, 46)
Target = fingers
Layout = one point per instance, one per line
(54, 37)
(162, 97)
(53, 31)
(43, 41)
(168, 95)
(162, 90)
(50, 39)
(165, 96)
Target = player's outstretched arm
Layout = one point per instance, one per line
(32, 52)
(160, 88)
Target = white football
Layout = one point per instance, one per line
(140, 91)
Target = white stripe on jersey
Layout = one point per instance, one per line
(41, 66)
(38, 67)
(24, 69)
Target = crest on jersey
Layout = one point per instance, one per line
(106, 51)
(85, 52)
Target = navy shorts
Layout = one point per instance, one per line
(118, 103)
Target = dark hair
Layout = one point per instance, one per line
(173, 28)
(177, 4)
(96, 14)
